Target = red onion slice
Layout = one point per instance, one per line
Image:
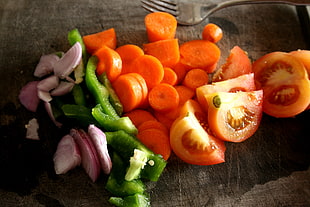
(44, 96)
(90, 161)
(100, 142)
(32, 129)
(45, 65)
(67, 155)
(28, 96)
(62, 89)
(49, 110)
(48, 83)
(68, 61)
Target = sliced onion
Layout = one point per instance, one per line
(90, 161)
(67, 155)
(45, 65)
(32, 129)
(68, 61)
(49, 110)
(48, 83)
(28, 96)
(44, 96)
(63, 88)
(100, 142)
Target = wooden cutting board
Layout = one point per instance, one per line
(270, 169)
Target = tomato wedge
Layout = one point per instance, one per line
(236, 116)
(189, 139)
(285, 83)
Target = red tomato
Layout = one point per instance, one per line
(237, 63)
(236, 116)
(285, 83)
(304, 57)
(191, 142)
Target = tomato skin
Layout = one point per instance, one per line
(285, 83)
(235, 117)
(191, 142)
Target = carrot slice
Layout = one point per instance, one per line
(157, 141)
(160, 26)
(180, 71)
(199, 54)
(163, 97)
(109, 62)
(150, 68)
(140, 79)
(166, 51)
(164, 119)
(128, 54)
(139, 116)
(185, 93)
(129, 91)
(153, 124)
(212, 32)
(170, 77)
(195, 78)
(95, 41)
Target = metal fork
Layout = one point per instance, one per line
(190, 13)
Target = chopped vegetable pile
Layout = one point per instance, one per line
(131, 107)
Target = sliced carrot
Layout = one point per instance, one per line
(152, 124)
(195, 78)
(141, 80)
(199, 54)
(180, 71)
(128, 54)
(166, 51)
(95, 41)
(139, 116)
(129, 91)
(212, 33)
(163, 97)
(170, 76)
(160, 26)
(150, 68)
(164, 119)
(185, 93)
(109, 62)
(157, 141)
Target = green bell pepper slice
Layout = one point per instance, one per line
(136, 200)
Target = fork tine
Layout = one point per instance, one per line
(160, 6)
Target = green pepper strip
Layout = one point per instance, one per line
(80, 113)
(125, 144)
(116, 103)
(111, 124)
(136, 200)
(78, 95)
(75, 36)
(116, 183)
(100, 93)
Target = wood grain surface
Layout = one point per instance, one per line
(271, 169)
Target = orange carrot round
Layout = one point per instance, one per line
(163, 97)
(160, 26)
(109, 62)
(153, 124)
(128, 54)
(195, 78)
(199, 54)
(164, 119)
(212, 33)
(157, 141)
(170, 76)
(129, 91)
(141, 81)
(180, 71)
(185, 93)
(139, 116)
(97, 40)
(150, 68)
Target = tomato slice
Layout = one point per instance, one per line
(191, 142)
(237, 63)
(236, 116)
(304, 57)
(285, 83)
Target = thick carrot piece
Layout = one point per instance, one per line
(128, 54)
(141, 80)
(166, 51)
(185, 93)
(157, 141)
(153, 124)
(109, 62)
(180, 71)
(97, 40)
(199, 54)
(163, 97)
(139, 116)
(150, 68)
(170, 76)
(195, 78)
(129, 91)
(212, 33)
(164, 119)
(160, 26)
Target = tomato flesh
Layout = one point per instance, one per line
(285, 83)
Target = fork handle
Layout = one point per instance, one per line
(292, 2)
